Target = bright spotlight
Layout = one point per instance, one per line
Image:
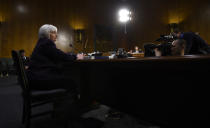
(124, 15)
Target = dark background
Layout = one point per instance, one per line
(151, 18)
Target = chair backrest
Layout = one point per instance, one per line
(22, 78)
(3, 63)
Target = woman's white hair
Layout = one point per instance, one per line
(44, 31)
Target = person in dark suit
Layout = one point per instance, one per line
(24, 58)
(44, 72)
(194, 43)
(137, 50)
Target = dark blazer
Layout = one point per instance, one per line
(195, 44)
(45, 60)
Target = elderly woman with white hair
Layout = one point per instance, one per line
(45, 74)
(43, 71)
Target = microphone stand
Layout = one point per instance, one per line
(71, 46)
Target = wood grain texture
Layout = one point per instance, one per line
(151, 18)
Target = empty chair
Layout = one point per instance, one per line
(3, 67)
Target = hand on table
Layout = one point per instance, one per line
(80, 56)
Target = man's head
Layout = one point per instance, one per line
(136, 48)
(176, 33)
(22, 52)
(178, 47)
(48, 31)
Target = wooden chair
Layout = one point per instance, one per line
(33, 99)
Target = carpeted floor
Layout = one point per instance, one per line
(11, 111)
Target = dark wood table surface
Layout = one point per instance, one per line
(164, 90)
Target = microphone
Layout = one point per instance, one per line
(72, 46)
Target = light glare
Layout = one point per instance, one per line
(21, 8)
(63, 39)
(124, 15)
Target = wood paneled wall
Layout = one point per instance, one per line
(18, 29)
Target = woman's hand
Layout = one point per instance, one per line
(80, 56)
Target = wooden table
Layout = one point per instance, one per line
(164, 90)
